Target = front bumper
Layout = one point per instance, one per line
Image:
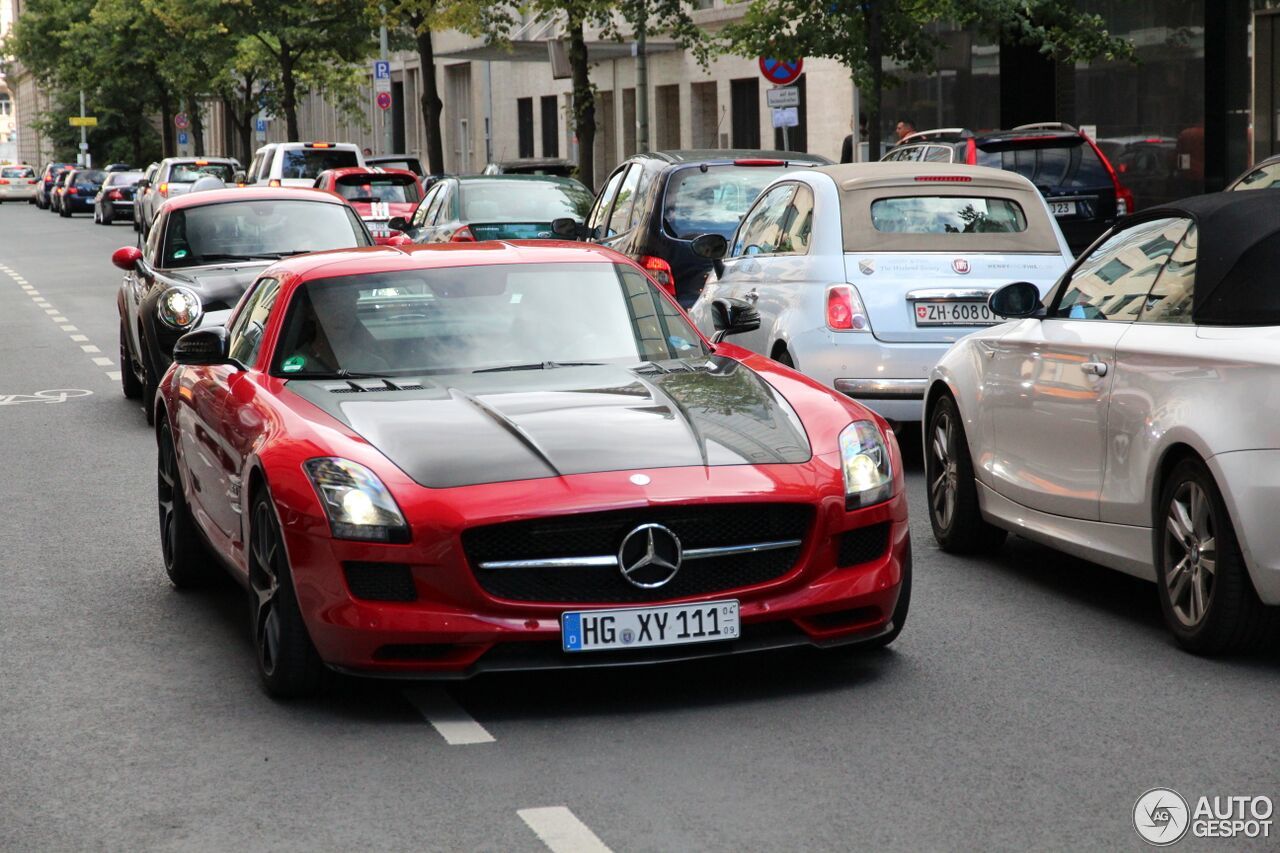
(888, 378)
(455, 629)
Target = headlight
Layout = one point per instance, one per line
(864, 456)
(179, 308)
(358, 505)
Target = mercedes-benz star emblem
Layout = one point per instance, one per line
(650, 556)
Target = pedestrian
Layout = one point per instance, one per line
(904, 128)
(846, 149)
(368, 152)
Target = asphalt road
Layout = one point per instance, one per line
(1029, 702)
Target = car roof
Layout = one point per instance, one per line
(380, 259)
(546, 179)
(199, 199)
(536, 161)
(727, 155)
(855, 176)
(348, 171)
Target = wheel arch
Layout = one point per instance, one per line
(1169, 458)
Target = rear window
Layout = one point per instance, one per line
(384, 188)
(523, 201)
(1066, 163)
(189, 173)
(948, 215)
(17, 172)
(92, 176)
(118, 179)
(310, 162)
(714, 201)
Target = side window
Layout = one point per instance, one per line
(601, 209)
(797, 225)
(643, 189)
(251, 176)
(937, 154)
(264, 166)
(1112, 283)
(154, 238)
(424, 207)
(429, 211)
(1171, 295)
(761, 230)
(446, 205)
(621, 216)
(251, 321)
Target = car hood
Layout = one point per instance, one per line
(219, 287)
(467, 429)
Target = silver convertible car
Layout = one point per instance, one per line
(1133, 418)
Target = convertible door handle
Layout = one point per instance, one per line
(1094, 368)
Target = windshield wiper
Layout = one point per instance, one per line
(217, 257)
(538, 365)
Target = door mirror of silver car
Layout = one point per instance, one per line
(206, 345)
(143, 184)
(733, 317)
(398, 223)
(710, 246)
(568, 228)
(1020, 299)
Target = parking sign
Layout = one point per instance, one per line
(381, 76)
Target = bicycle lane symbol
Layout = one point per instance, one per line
(55, 395)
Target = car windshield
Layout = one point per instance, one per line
(947, 215)
(260, 229)
(1264, 177)
(118, 179)
(390, 189)
(712, 202)
(1062, 163)
(17, 172)
(481, 318)
(189, 173)
(310, 162)
(497, 200)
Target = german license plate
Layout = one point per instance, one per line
(954, 314)
(1063, 208)
(646, 627)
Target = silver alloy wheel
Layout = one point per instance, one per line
(943, 489)
(1190, 554)
(264, 576)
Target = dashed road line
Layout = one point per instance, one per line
(79, 338)
(89, 348)
(447, 717)
(68, 328)
(561, 831)
(56, 316)
(104, 362)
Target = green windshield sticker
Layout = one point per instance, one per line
(294, 363)
(181, 253)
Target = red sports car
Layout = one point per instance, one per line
(378, 195)
(437, 461)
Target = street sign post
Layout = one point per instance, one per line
(384, 100)
(382, 76)
(83, 121)
(783, 96)
(781, 72)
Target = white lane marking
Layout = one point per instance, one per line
(70, 329)
(41, 301)
(113, 374)
(103, 362)
(89, 348)
(59, 319)
(51, 310)
(29, 289)
(79, 338)
(447, 717)
(561, 831)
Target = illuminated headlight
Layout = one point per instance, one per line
(356, 502)
(179, 308)
(864, 458)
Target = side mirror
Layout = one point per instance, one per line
(1020, 299)
(732, 316)
(239, 179)
(143, 184)
(126, 258)
(208, 345)
(398, 223)
(568, 228)
(713, 247)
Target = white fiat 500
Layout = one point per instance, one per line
(1133, 418)
(864, 274)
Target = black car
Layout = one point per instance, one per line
(1083, 190)
(203, 251)
(59, 189)
(79, 189)
(533, 166)
(396, 161)
(48, 175)
(1263, 175)
(115, 199)
(654, 204)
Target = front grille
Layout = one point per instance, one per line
(601, 534)
(380, 581)
(862, 545)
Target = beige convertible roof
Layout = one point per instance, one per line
(861, 184)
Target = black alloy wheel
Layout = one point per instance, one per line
(287, 660)
(954, 512)
(186, 560)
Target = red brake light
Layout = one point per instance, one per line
(758, 161)
(844, 309)
(72, 191)
(660, 270)
(943, 179)
(1124, 196)
(202, 162)
(4, 181)
(463, 235)
(34, 181)
(115, 194)
(274, 182)
(319, 145)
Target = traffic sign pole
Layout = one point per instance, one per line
(84, 159)
(388, 132)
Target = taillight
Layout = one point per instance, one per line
(1124, 195)
(844, 310)
(115, 195)
(164, 190)
(757, 161)
(943, 179)
(72, 191)
(274, 182)
(34, 181)
(661, 272)
(4, 181)
(463, 235)
(971, 152)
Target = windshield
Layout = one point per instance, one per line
(253, 230)
(947, 215)
(17, 172)
(464, 319)
(189, 173)
(310, 162)
(496, 200)
(391, 189)
(712, 202)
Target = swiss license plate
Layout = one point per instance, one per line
(645, 627)
(954, 314)
(1063, 208)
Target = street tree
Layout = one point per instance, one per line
(863, 34)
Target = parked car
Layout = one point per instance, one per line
(204, 249)
(1261, 176)
(1147, 165)
(396, 161)
(59, 190)
(141, 191)
(119, 167)
(413, 478)
(18, 183)
(49, 174)
(1083, 189)
(863, 275)
(175, 176)
(115, 199)
(79, 189)
(378, 195)
(493, 207)
(653, 205)
(298, 164)
(533, 166)
(1130, 418)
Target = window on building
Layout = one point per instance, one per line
(744, 97)
(6, 104)
(524, 126)
(704, 114)
(550, 126)
(667, 101)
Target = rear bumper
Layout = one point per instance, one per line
(18, 191)
(888, 378)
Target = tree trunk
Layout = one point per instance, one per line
(135, 141)
(166, 122)
(289, 93)
(197, 124)
(875, 57)
(431, 105)
(584, 103)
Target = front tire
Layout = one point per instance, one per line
(186, 561)
(1209, 603)
(288, 663)
(954, 512)
(129, 383)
